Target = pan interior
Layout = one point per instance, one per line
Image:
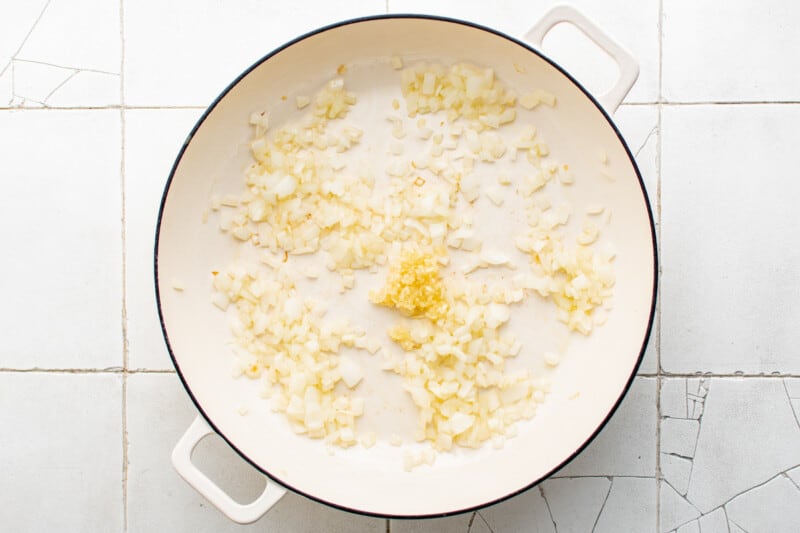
(595, 371)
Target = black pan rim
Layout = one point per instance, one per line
(449, 20)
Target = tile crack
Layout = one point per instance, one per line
(737, 525)
(605, 500)
(60, 85)
(27, 36)
(679, 456)
(646, 140)
(65, 67)
(789, 397)
(549, 512)
(471, 521)
(484, 521)
(745, 491)
(786, 475)
(727, 520)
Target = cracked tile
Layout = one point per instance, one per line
(733, 528)
(774, 506)
(675, 510)
(576, 503)
(626, 446)
(794, 475)
(683, 398)
(696, 388)
(679, 436)
(709, 226)
(748, 435)
(676, 471)
(159, 411)
(17, 20)
(630, 506)
(160, 73)
(152, 140)
(714, 522)
(673, 398)
(792, 386)
(463, 523)
(527, 511)
(53, 42)
(35, 82)
(691, 527)
(71, 212)
(6, 89)
(635, 26)
(87, 88)
(82, 34)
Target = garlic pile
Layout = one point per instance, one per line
(305, 197)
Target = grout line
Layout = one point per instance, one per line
(100, 108)
(388, 526)
(599, 476)
(111, 370)
(125, 339)
(717, 375)
(730, 102)
(660, 104)
(131, 371)
(659, 146)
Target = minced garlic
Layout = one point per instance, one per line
(414, 286)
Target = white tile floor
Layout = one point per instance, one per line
(95, 99)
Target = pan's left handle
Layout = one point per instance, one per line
(240, 513)
(628, 66)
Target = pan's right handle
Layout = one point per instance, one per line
(628, 67)
(182, 461)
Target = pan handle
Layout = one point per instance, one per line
(628, 67)
(240, 513)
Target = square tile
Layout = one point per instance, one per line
(731, 264)
(738, 456)
(152, 141)
(633, 25)
(62, 210)
(159, 411)
(61, 451)
(61, 53)
(730, 54)
(190, 62)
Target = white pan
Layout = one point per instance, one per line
(587, 386)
